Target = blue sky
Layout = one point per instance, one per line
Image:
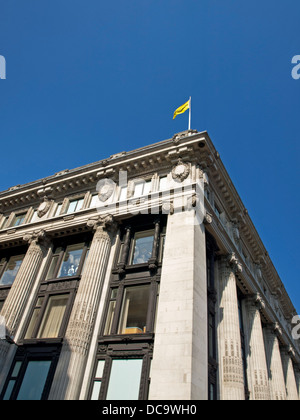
(87, 79)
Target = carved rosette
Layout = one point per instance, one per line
(181, 171)
(106, 189)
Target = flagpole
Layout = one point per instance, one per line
(190, 112)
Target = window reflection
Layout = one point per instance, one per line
(11, 270)
(71, 260)
(142, 247)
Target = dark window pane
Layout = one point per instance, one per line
(34, 380)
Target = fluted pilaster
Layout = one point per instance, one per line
(289, 374)
(231, 362)
(23, 285)
(256, 360)
(70, 369)
(274, 362)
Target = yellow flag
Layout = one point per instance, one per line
(181, 109)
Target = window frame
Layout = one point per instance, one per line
(143, 353)
(26, 355)
(60, 257)
(41, 315)
(117, 313)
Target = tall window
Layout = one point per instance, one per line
(127, 331)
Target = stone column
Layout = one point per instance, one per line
(22, 286)
(71, 365)
(289, 374)
(179, 368)
(274, 362)
(256, 359)
(231, 371)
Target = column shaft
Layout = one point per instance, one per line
(256, 360)
(230, 351)
(274, 363)
(22, 287)
(70, 369)
(289, 374)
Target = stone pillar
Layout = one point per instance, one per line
(232, 386)
(274, 362)
(289, 374)
(22, 286)
(256, 359)
(70, 370)
(179, 368)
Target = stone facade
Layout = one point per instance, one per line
(145, 263)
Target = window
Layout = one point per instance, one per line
(134, 310)
(58, 209)
(47, 318)
(67, 260)
(122, 378)
(18, 219)
(142, 247)
(31, 374)
(135, 314)
(71, 260)
(125, 378)
(98, 380)
(75, 205)
(11, 270)
(34, 380)
(142, 188)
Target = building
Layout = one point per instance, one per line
(141, 277)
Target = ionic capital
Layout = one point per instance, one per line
(37, 237)
(104, 222)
